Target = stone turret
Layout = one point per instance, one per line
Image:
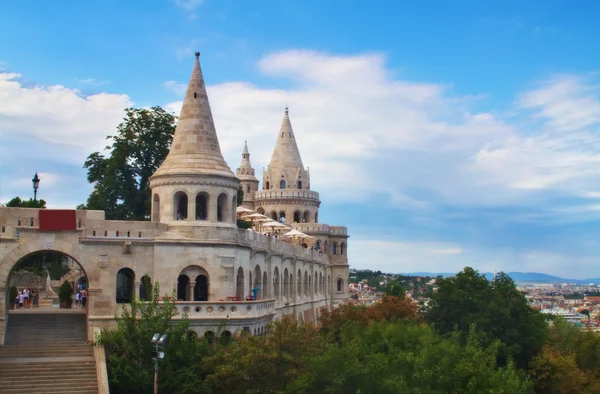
(194, 185)
(249, 182)
(286, 183)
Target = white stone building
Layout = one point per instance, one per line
(193, 244)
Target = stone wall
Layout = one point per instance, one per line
(22, 278)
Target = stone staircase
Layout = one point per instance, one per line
(47, 353)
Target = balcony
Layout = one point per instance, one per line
(223, 310)
(278, 194)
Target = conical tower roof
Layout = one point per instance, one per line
(195, 148)
(245, 171)
(286, 153)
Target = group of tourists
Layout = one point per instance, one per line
(81, 296)
(27, 297)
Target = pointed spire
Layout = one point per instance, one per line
(195, 148)
(245, 152)
(286, 153)
(245, 171)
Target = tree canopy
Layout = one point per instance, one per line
(497, 309)
(18, 203)
(121, 179)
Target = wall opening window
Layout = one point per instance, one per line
(180, 206)
(202, 206)
(340, 285)
(125, 278)
(299, 185)
(282, 184)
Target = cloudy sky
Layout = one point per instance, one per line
(443, 135)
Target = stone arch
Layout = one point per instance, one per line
(261, 211)
(297, 216)
(257, 280)
(222, 208)
(299, 184)
(201, 288)
(281, 215)
(318, 244)
(315, 289)
(286, 283)
(340, 285)
(265, 286)
(233, 212)
(124, 286)
(274, 215)
(180, 205)
(268, 185)
(276, 290)
(306, 217)
(239, 284)
(193, 284)
(247, 188)
(183, 288)
(334, 248)
(202, 204)
(282, 184)
(299, 285)
(316, 217)
(306, 283)
(156, 208)
(226, 337)
(342, 249)
(291, 285)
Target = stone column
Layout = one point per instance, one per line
(191, 290)
(212, 208)
(191, 208)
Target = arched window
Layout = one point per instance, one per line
(267, 186)
(222, 208)
(340, 285)
(297, 217)
(239, 284)
(316, 217)
(201, 288)
(282, 217)
(299, 184)
(299, 283)
(286, 283)
(202, 206)
(265, 286)
(183, 288)
(248, 189)
(155, 208)
(146, 288)
(257, 284)
(276, 291)
(125, 293)
(261, 211)
(334, 248)
(180, 206)
(315, 289)
(274, 215)
(226, 337)
(342, 249)
(282, 184)
(306, 217)
(306, 282)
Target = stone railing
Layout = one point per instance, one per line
(267, 194)
(311, 228)
(225, 309)
(272, 244)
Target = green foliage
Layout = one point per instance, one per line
(65, 292)
(498, 309)
(395, 289)
(244, 224)
(18, 203)
(121, 180)
(129, 347)
(146, 288)
(240, 196)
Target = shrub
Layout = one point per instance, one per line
(65, 292)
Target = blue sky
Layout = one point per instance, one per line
(443, 134)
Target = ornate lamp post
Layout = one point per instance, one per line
(159, 341)
(36, 184)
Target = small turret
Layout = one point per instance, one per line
(248, 181)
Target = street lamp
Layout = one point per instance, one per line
(36, 184)
(159, 341)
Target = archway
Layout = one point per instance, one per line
(297, 217)
(340, 285)
(276, 290)
(222, 208)
(180, 206)
(257, 284)
(36, 277)
(306, 217)
(239, 284)
(201, 288)
(125, 290)
(202, 200)
(183, 285)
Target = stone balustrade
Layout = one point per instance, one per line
(199, 310)
(313, 228)
(266, 194)
(271, 244)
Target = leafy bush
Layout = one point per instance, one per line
(244, 224)
(65, 292)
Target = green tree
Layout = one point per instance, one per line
(129, 350)
(395, 289)
(121, 180)
(18, 203)
(240, 196)
(497, 309)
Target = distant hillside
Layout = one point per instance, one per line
(517, 277)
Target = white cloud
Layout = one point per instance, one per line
(189, 5)
(92, 81)
(69, 124)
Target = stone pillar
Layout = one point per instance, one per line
(212, 208)
(191, 290)
(191, 208)
(137, 285)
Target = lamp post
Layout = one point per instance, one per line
(159, 341)
(36, 184)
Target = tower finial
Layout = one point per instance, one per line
(287, 110)
(197, 55)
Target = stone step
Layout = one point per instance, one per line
(58, 390)
(34, 381)
(18, 370)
